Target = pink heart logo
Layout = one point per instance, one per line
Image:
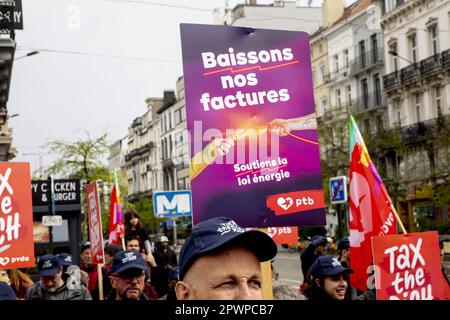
(4, 261)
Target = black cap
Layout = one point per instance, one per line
(125, 260)
(327, 266)
(85, 246)
(217, 233)
(48, 265)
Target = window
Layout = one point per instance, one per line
(323, 102)
(177, 117)
(346, 58)
(365, 93)
(380, 125)
(314, 77)
(413, 48)
(320, 49)
(336, 63)
(434, 36)
(362, 56)
(374, 41)
(349, 95)
(338, 98)
(377, 85)
(321, 73)
(398, 112)
(183, 113)
(438, 100)
(394, 60)
(417, 107)
(169, 116)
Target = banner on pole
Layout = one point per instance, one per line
(252, 123)
(16, 216)
(95, 224)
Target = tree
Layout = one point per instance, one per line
(85, 159)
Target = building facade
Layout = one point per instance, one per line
(281, 15)
(142, 159)
(417, 85)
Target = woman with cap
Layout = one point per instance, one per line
(327, 279)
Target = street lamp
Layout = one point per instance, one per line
(395, 54)
(29, 54)
(12, 116)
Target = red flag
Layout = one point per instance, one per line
(371, 211)
(116, 228)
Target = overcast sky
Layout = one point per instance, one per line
(61, 95)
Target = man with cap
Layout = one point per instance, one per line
(54, 283)
(165, 259)
(315, 249)
(221, 261)
(127, 276)
(65, 259)
(327, 279)
(87, 265)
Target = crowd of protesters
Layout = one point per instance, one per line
(220, 260)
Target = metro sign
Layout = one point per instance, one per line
(170, 204)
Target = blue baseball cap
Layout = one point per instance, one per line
(327, 266)
(125, 260)
(6, 292)
(317, 241)
(48, 265)
(173, 273)
(216, 233)
(344, 243)
(65, 259)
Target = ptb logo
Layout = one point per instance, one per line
(172, 204)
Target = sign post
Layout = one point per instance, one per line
(338, 196)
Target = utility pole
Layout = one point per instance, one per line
(51, 209)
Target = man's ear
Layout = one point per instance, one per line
(183, 291)
(112, 280)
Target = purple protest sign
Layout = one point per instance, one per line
(252, 124)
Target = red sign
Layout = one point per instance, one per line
(16, 216)
(95, 224)
(408, 267)
(297, 201)
(283, 235)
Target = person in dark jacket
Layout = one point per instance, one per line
(134, 228)
(344, 252)
(315, 249)
(54, 284)
(165, 259)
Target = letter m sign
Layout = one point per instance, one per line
(167, 204)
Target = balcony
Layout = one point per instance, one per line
(367, 60)
(431, 65)
(373, 100)
(425, 68)
(340, 74)
(139, 151)
(410, 73)
(414, 133)
(446, 59)
(391, 80)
